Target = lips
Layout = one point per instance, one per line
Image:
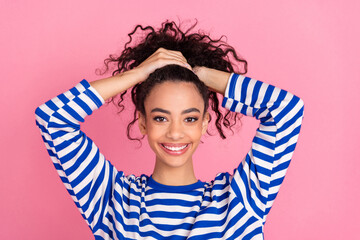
(175, 148)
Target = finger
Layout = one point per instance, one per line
(168, 56)
(164, 56)
(166, 61)
(174, 53)
(179, 54)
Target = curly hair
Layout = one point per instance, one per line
(198, 49)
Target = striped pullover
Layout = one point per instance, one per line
(232, 206)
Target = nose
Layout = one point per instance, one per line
(175, 131)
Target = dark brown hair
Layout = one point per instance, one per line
(198, 49)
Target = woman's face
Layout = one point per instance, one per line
(174, 122)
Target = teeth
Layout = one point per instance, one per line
(175, 148)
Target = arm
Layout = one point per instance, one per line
(86, 174)
(109, 87)
(258, 177)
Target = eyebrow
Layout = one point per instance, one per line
(183, 112)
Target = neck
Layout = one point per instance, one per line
(172, 176)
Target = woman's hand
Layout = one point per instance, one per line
(158, 59)
(111, 86)
(215, 80)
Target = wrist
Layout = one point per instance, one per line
(136, 74)
(215, 79)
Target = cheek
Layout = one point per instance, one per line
(195, 132)
(154, 133)
(153, 141)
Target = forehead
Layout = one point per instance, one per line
(174, 96)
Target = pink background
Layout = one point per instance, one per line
(309, 48)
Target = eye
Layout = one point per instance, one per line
(159, 119)
(191, 119)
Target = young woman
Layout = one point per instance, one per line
(174, 79)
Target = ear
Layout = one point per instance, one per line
(205, 122)
(142, 123)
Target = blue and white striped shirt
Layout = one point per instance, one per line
(116, 206)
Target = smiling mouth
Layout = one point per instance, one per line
(173, 148)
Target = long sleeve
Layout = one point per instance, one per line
(257, 179)
(86, 174)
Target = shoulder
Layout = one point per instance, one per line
(132, 181)
(220, 181)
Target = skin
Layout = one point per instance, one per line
(174, 127)
(168, 170)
